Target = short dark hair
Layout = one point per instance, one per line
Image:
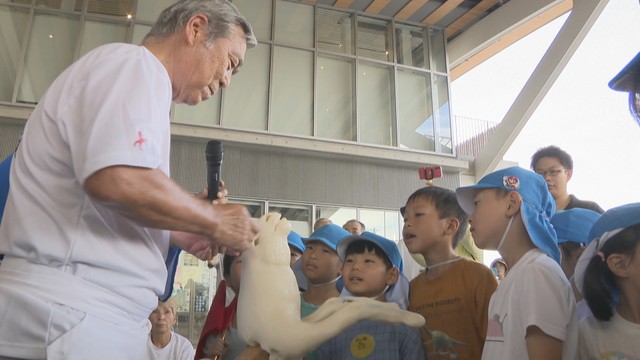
(227, 260)
(555, 152)
(360, 246)
(446, 203)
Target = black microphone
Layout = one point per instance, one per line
(213, 154)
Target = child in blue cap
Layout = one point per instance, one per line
(608, 275)
(321, 267)
(532, 314)
(296, 246)
(572, 227)
(372, 267)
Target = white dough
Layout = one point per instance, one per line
(269, 305)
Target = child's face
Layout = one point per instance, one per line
(295, 255)
(320, 263)
(488, 220)
(162, 318)
(422, 226)
(366, 274)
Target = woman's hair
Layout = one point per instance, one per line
(600, 286)
(222, 15)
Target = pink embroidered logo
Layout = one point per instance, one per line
(141, 141)
(511, 182)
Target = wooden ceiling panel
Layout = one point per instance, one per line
(410, 9)
(469, 17)
(376, 6)
(442, 11)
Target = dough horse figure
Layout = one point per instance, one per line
(269, 304)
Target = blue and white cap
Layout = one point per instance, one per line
(608, 225)
(294, 240)
(573, 225)
(397, 293)
(538, 206)
(329, 234)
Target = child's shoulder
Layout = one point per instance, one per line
(473, 268)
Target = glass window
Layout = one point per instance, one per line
(255, 208)
(438, 54)
(193, 291)
(258, 13)
(249, 86)
(121, 8)
(148, 10)
(139, 32)
(335, 93)
(373, 221)
(415, 111)
(337, 215)
(292, 97)
(294, 24)
(410, 46)
(98, 33)
(333, 29)
(373, 39)
(298, 215)
(443, 124)
(206, 113)
(392, 225)
(50, 51)
(13, 22)
(52, 4)
(375, 103)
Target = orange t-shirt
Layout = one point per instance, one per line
(455, 305)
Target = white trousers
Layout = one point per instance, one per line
(48, 314)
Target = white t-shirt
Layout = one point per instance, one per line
(613, 339)
(178, 348)
(534, 292)
(109, 108)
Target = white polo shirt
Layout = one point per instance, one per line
(109, 108)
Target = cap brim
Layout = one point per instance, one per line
(465, 196)
(627, 78)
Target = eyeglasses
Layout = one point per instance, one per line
(551, 172)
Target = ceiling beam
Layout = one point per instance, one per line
(553, 62)
(508, 39)
(442, 11)
(470, 16)
(376, 6)
(409, 9)
(344, 4)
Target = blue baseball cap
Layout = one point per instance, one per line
(294, 240)
(573, 225)
(398, 292)
(606, 227)
(537, 207)
(329, 234)
(389, 247)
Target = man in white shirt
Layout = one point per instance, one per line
(92, 210)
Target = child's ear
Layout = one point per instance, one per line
(453, 225)
(392, 276)
(619, 264)
(514, 202)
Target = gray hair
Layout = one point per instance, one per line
(223, 17)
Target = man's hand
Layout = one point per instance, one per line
(197, 245)
(253, 353)
(235, 229)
